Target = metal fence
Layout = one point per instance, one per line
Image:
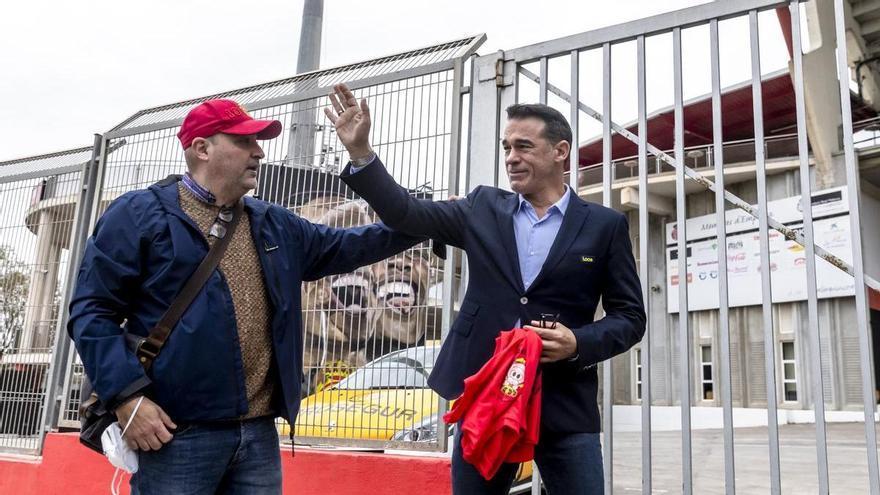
(550, 72)
(40, 196)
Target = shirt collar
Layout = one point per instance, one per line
(561, 205)
(198, 191)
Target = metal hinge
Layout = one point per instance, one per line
(495, 71)
(499, 72)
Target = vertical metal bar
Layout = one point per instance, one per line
(508, 95)
(455, 130)
(573, 163)
(485, 111)
(70, 366)
(419, 135)
(449, 264)
(720, 221)
(607, 378)
(644, 272)
(574, 119)
(764, 249)
(384, 131)
(810, 252)
(163, 162)
(535, 489)
(59, 368)
(852, 183)
(95, 210)
(408, 134)
(606, 125)
(684, 343)
(465, 272)
(135, 176)
(542, 90)
(399, 125)
(468, 162)
(543, 74)
(423, 86)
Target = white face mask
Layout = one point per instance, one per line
(117, 451)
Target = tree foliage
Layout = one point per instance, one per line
(13, 297)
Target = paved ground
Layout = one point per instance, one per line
(847, 460)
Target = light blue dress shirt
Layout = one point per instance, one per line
(535, 236)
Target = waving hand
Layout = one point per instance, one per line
(352, 121)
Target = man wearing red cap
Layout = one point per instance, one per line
(202, 417)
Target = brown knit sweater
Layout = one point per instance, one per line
(244, 274)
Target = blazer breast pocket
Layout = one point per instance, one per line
(582, 262)
(466, 316)
(578, 265)
(586, 259)
(462, 326)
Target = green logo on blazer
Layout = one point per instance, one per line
(586, 259)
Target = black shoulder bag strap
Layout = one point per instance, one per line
(149, 347)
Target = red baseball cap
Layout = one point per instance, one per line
(224, 116)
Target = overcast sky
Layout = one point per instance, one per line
(74, 68)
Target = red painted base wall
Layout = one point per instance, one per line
(70, 469)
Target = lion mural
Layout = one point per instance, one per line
(401, 289)
(352, 318)
(337, 310)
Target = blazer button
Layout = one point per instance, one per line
(524, 300)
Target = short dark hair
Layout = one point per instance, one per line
(556, 128)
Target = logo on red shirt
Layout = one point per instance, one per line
(516, 376)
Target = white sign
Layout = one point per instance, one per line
(788, 277)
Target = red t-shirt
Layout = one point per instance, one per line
(501, 404)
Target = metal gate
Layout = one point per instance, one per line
(40, 197)
(554, 72)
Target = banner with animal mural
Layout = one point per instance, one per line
(353, 318)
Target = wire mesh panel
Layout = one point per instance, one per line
(39, 197)
(370, 336)
(315, 84)
(68, 415)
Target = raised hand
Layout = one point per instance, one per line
(352, 121)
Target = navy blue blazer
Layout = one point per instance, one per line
(591, 258)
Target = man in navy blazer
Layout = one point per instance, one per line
(537, 250)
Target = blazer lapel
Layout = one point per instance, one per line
(575, 216)
(504, 214)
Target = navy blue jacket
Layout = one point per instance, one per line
(143, 251)
(591, 258)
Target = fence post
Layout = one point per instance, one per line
(58, 382)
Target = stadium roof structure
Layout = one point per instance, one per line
(777, 93)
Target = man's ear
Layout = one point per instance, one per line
(200, 148)
(562, 150)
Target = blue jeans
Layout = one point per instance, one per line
(570, 464)
(234, 457)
